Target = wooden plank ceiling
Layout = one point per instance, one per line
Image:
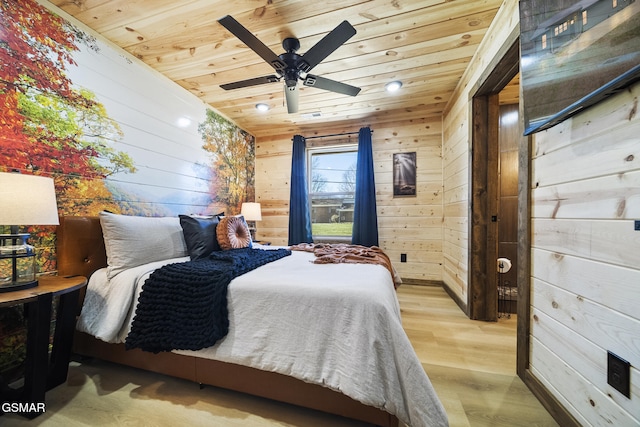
(426, 44)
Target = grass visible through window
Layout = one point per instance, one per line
(332, 229)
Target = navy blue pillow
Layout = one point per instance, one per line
(200, 235)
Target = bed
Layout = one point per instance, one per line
(329, 337)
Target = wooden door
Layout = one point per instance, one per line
(508, 206)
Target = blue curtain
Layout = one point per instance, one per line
(299, 215)
(365, 217)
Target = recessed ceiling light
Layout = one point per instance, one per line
(183, 122)
(393, 86)
(262, 107)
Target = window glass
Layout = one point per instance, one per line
(332, 186)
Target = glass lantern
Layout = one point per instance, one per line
(17, 263)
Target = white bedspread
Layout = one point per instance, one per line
(337, 325)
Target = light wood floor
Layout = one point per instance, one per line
(471, 365)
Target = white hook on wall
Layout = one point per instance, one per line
(504, 265)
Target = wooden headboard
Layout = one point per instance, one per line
(80, 246)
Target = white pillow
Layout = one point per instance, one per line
(131, 241)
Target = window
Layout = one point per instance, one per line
(332, 189)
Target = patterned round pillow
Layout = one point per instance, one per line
(232, 233)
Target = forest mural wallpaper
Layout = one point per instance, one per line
(111, 133)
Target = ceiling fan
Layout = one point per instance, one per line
(290, 66)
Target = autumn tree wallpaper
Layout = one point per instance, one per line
(111, 133)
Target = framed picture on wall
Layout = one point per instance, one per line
(404, 174)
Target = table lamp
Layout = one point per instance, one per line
(24, 200)
(251, 212)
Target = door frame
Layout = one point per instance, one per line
(482, 298)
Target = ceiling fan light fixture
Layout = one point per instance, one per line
(262, 107)
(393, 86)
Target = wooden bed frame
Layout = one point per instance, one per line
(81, 251)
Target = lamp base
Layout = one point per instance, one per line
(17, 263)
(10, 287)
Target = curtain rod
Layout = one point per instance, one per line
(333, 134)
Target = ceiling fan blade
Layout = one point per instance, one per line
(252, 42)
(330, 85)
(250, 82)
(326, 46)
(291, 94)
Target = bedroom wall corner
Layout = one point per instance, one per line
(456, 146)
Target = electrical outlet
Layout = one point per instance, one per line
(403, 257)
(618, 374)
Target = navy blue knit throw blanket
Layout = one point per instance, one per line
(183, 306)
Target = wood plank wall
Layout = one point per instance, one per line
(586, 258)
(409, 225)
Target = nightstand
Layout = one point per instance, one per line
(43, 371)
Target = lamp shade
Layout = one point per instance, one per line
(24, 200)
(251, 211)
(27, 200)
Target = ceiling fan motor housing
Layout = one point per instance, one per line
(291, 73)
